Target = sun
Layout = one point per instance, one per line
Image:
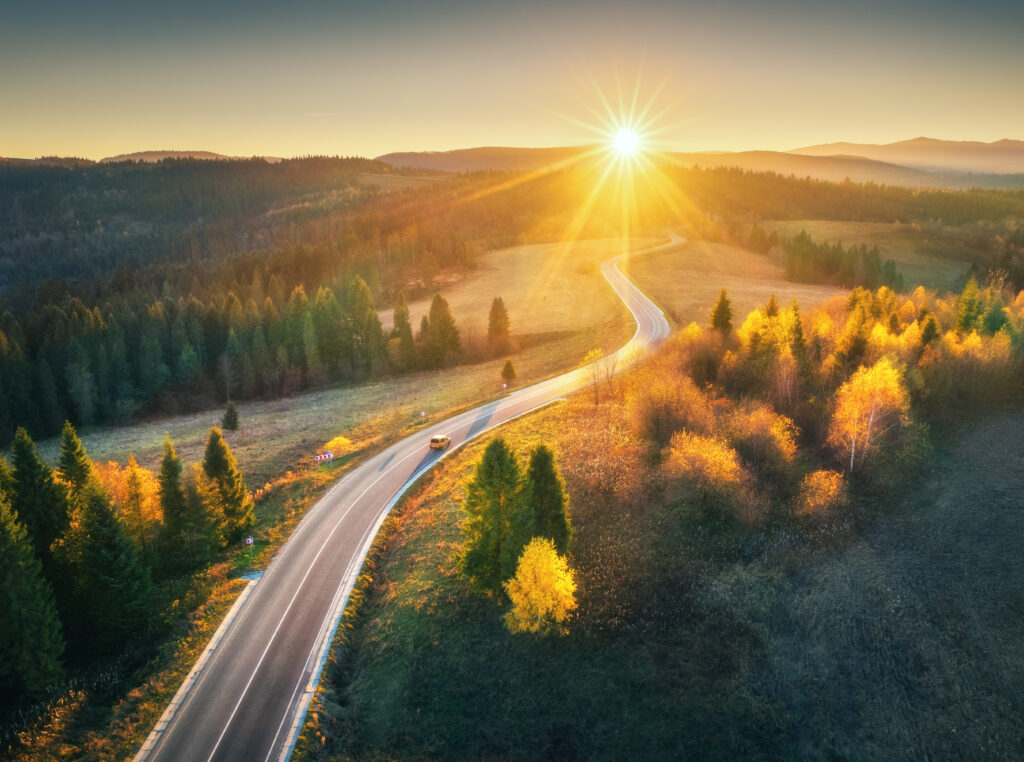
(626, 142)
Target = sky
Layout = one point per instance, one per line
(97, 78)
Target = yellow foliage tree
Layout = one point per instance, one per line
(543, 591)
(868, 407)
(135, 492)
(820, 493)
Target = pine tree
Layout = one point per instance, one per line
(544, 497)
(74, 466)
(771, 308)
(508, 372)
(233, 501)
(31, 642)
(442, 335)
(115, 592)
(493, 503)
(403, 331)
(930, 332)
(721, 314)
(230, 420)
(498, 328)
(969, 307)
(328, 323)
(40, 502)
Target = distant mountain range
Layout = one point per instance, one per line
(1000, 157)
(143, 156)
(918, 163)
(923, 162)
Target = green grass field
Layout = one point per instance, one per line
(692, 641)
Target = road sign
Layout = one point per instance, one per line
(325, 456)
(248, 541)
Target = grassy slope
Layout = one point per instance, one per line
(903, 643)
(933, 259)
(686, 282)
(276, 435)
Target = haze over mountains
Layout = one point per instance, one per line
(923, 162)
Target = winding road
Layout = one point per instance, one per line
(248, 694)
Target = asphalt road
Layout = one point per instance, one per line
(248, 695)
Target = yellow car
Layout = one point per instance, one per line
(440, 442)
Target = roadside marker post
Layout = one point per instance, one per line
(249, 544)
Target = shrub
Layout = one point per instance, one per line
(821, 494)
(662, 402)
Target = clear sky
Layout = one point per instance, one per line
(100, 78)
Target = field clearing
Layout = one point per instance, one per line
(686, 282)
(545, 287)
(931, 258)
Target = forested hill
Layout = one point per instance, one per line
(156, 288)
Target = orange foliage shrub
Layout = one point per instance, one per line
(662, 402)
(765, 439)
(712, 470)
(821, 493)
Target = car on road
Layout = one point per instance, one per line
(440, 442)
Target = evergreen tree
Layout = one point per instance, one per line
(498, 328)
(311, 351)
(493, 506)
(50, 409)
(403, 332)
(442, 334)
(232, 498)
(40, 502)
(994, 318)
(969, 308)
(721, 314)
(771, 308)
(328, 324)
(114, 589)
(230, 420)
(31, 642)
(798, 345)
(368, 336)
(508, 372)
(74, 466)
(544, 497)
(188, 534)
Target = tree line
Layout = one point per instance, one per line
(86, 548)
(809, 262)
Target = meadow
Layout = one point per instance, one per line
(686, 282)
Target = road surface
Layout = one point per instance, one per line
(248, 694)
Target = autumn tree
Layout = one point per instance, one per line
(545, 500)
(135, 492)
(493, 529)
(869, 407)
(542, 592)
(31, 642)
(721, 314)
(232, 498)
(498, 327)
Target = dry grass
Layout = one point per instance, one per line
(932, 258)
(686, 282)
(546, 287)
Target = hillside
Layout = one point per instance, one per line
(834, 168)
(155, 156)
(1000, 157)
